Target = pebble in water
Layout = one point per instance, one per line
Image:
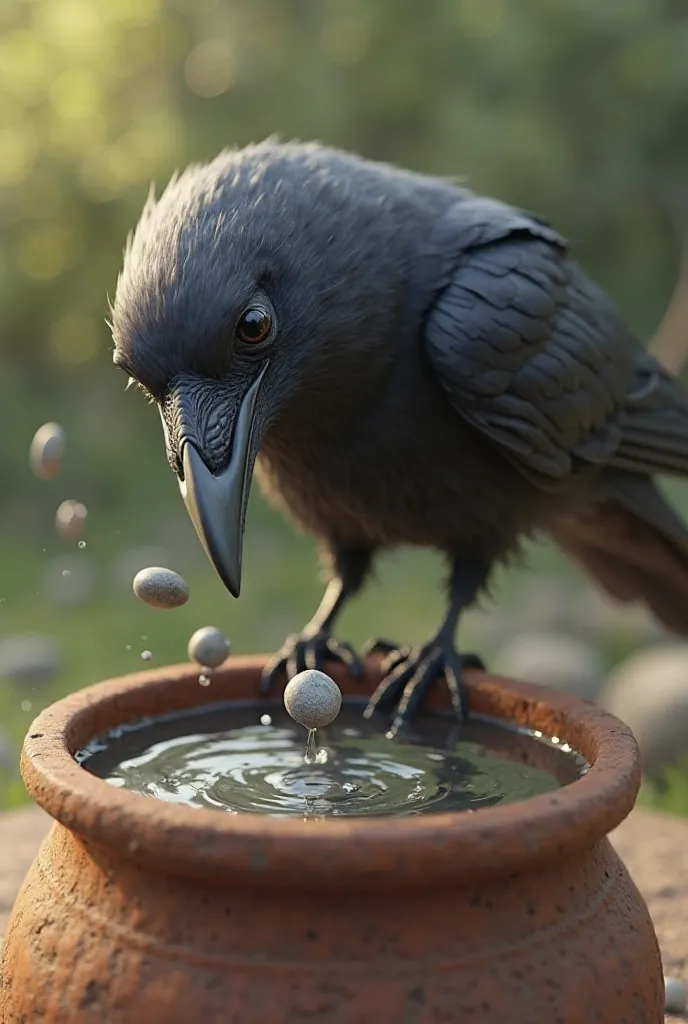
(313, 699)
(161, 588)
(675, 998)
(208, 647)
(47, 451)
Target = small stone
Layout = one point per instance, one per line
(648, 692)
(312, 699)
(675, 1000)
(70, 520)
(29, 658)
(146, 655)
(161, 588)
(557, 660)
(47, 451)
(208, 647)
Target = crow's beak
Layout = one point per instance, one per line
(217, 502)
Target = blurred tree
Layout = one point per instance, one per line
(565, 106)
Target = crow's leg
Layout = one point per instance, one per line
(314, 645)
(408, 672)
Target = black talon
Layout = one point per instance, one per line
(409, 672)
(302, 651)
(408, 679)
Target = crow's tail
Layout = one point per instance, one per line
(635, 546)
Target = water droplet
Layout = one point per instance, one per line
(26, 705)
(127, 647)
(311, 754)
(555, 739)
(436, 757)
(143, 636)
(204, 680)
(66, 573)
(82, 544)
(350, 787)
(146, 655)
(265, 720)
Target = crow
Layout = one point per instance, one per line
(402, 362)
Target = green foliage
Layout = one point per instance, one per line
(572, 107)
(670, 793)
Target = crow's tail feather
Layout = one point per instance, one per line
(635, 546)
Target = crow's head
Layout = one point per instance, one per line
(253, 294)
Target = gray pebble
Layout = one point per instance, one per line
(29, 658)
(674, 995)
(47, 451)
(208, 647)
(553, 659)
(70, 519)
(312, 699)
(649, 692)
(161, 588)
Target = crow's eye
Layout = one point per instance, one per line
(254, 326)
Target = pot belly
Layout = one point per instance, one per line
(95, 937)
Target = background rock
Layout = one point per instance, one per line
(557, 660)
(649, 692)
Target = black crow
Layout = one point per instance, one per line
(405, 362)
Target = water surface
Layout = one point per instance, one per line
(250, 757)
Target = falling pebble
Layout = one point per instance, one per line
(312, 699)
(47, 451)
(146, 655)
(26, 705)
(208, 647)
(204, 680)
(674, 995)
(265, 720)
(161, 588)
(70, 520)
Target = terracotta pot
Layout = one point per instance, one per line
(142, 911)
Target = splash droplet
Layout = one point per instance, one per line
(26, 705)
(82, 544)
(311, 755)
(127, 647)
(265, 720)
(66, 573)
(146, 655)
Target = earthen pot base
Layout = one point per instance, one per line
(140, 911)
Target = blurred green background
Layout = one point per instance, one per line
(575, 108)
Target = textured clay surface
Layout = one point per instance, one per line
(139, 911)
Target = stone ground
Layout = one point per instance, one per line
(653, 846)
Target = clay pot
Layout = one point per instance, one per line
(140, 911)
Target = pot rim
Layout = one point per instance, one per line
(382, 852)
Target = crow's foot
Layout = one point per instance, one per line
(301, 651)
(408, 673)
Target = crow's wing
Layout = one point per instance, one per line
(533, 355)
